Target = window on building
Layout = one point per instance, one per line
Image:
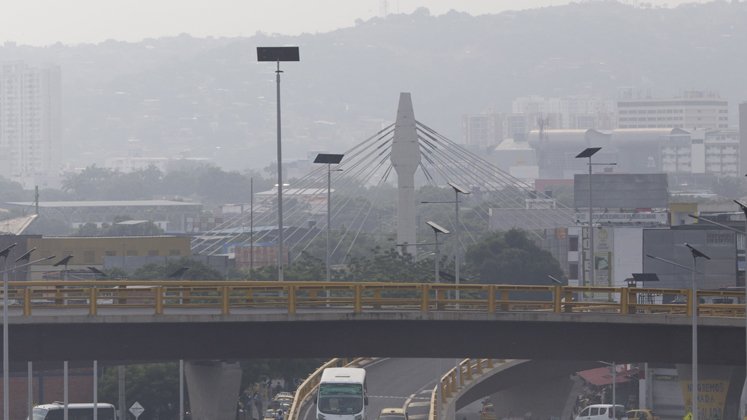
(110, 253)
(573, 243)
(153, 253)
(573, 270)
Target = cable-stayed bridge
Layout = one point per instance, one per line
(410, 149)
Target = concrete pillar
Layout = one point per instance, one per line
(406, 159)
(213, 389)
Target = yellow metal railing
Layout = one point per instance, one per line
(226, 297)
(454, 380)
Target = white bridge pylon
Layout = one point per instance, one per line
(407, 146)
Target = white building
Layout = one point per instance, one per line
(30, 100)
(693, 110)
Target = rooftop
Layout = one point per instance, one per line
(117, 203)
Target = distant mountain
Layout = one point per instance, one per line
(210, 98)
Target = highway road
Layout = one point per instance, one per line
(399, 382)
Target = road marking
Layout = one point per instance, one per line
(416, 416)
(419, 404)
(386, 396)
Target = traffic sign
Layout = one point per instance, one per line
(137, 409)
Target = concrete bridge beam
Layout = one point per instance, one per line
(213, 387)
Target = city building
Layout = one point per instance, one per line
(623, 207)
(638, 150)
(91, 252)
(483, 130)
(171, 216)
(30, 103)
(694, 109)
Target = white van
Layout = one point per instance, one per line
(602, 412)
(75, 411)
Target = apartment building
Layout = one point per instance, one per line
(693, 110)
(30, 102)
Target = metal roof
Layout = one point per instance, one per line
(16, 226)
(118, 203)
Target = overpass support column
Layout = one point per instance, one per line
(213, 388)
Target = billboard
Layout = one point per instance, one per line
(621, 191)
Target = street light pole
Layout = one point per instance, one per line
(588, 153)
(436, 230)
(457, 252)
(278, 54)
(613, 366)
(743, 207)
(694, 393)
(693, 320)
(251, 226)
(6, 362)
(329, 160)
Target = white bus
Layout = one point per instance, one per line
(342, 394)
(75, 411)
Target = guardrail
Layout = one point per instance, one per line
(307, 387)
(454, 380)
(227, 297)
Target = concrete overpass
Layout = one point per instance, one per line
(222, 320)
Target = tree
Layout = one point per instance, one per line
(511, 258)
(154, 386)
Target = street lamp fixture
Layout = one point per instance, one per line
(436, 230)
(329, 160)
(278, 54)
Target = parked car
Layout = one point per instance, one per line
(602, 412)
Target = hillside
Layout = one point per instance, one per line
(209, 97)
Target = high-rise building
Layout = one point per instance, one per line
(483, 130)
(693, 110)
(30, 98)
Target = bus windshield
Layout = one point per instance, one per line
(340, 398)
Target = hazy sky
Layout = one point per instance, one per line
(41, 22)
